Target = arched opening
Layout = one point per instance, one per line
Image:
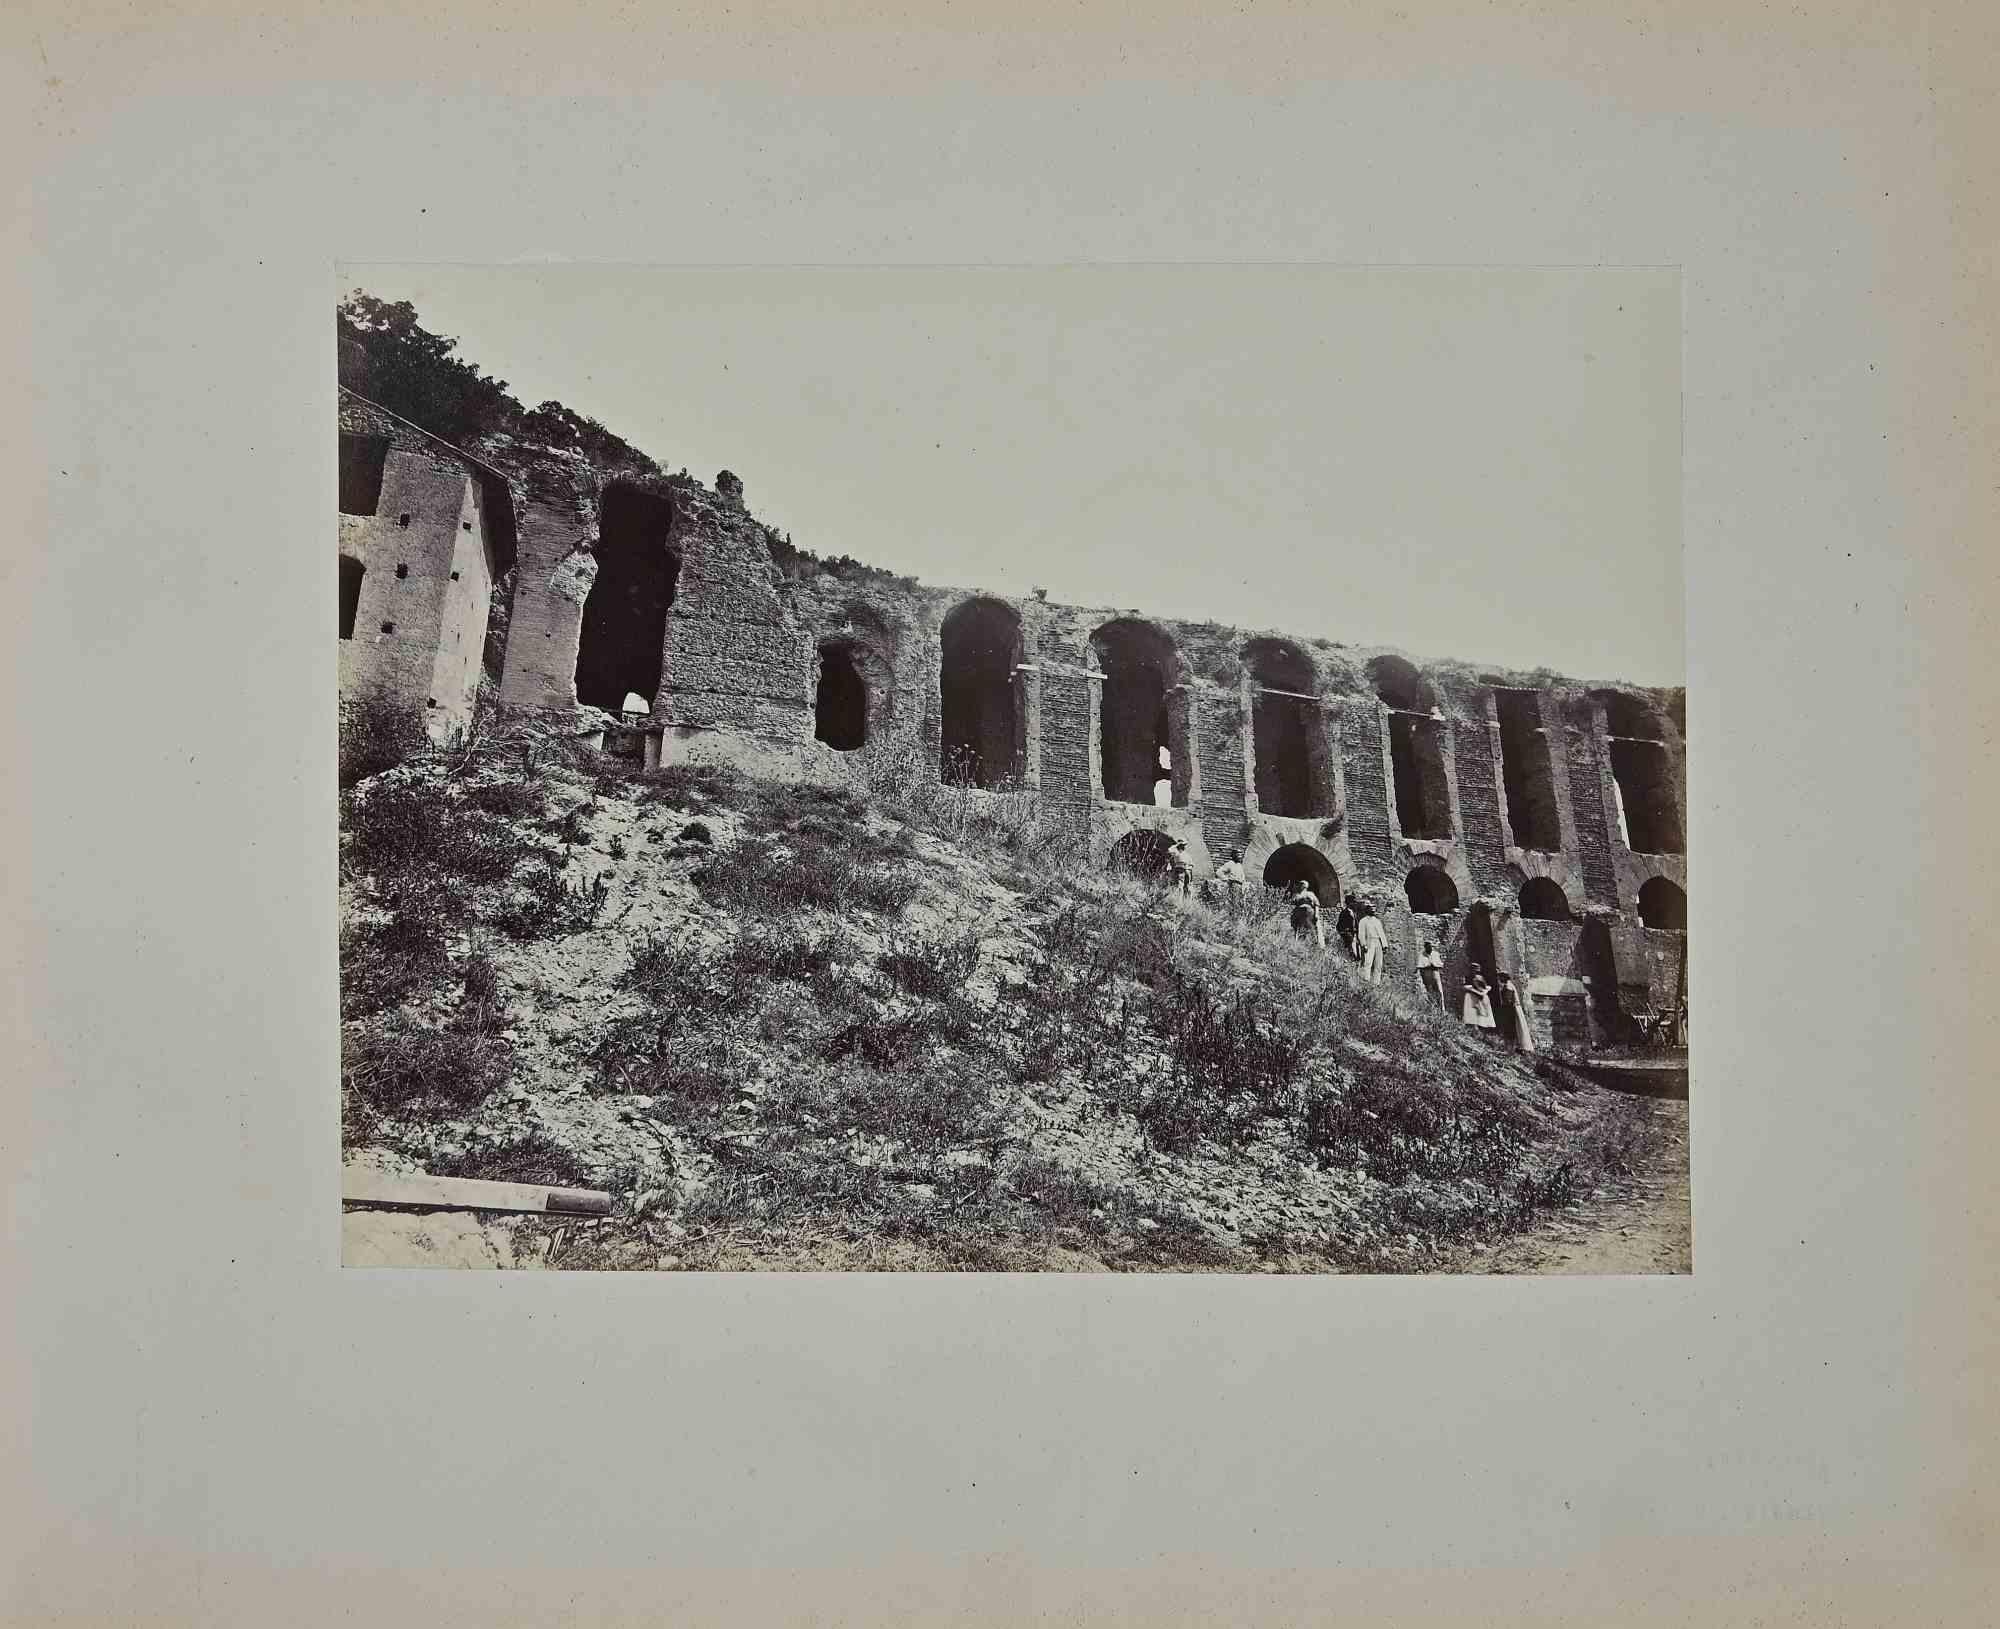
(984, 736)
(1294, 771)
(1542, 900)
(1663, 905)
(1431, 891)
(622, 646)
(1527, 771)
(1416, 748)
(1479, 946)
(362, 459)
(351, 571)
(1142, 735)
(840, 703)
(1649, 815)
(1631, 717)
(1142, 854)
(1301, 860)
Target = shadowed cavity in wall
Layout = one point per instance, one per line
(1142, 735)
(1296, 861)
(983, 736)
(840, 701)
(622, 645)
(1642, 770)
(1527, 771)
(1288, 734)
(1416, 747)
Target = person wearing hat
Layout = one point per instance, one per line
(1304, 906)
(1230, 875)
(1430, 974)
(1369, 943)
(1478, 1000)
(1345, 924)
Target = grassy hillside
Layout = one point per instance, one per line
(896, 1025)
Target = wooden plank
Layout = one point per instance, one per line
(362, 1186)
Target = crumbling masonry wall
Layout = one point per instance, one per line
(432, 532)
(1507, 777)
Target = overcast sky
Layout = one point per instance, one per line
(1464, 462)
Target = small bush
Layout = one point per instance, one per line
(933, 965)
(377, 734)
(398, 1064)
(385, 963)
(547, 905)
(482, 1009)
(784, 951)
(813, 873)
(534, 1157)
(512, 800)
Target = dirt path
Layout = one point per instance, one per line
(1641, 1225)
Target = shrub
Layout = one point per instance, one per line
(533, 1157)
(512, 800)
(409, 825)
(385, 963)
(784, 951)
(482, 1009)
(376, 734)
(813, 872)
(933, 965)
(548, 905)
(398, 1064)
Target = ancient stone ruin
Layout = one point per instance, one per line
(1523, 821)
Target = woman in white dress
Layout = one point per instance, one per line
(1478, 1000)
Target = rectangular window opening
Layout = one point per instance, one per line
(1527, 772)
(361, 463)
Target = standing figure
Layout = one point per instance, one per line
(1345, 924)
(1180, 869)
(1304, 906)
(1230, 875)
(1478, 1000)
(1430, 973)
(1506, 1016)
(1370, 941)
(1524, 1012)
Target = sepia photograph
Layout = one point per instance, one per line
(1125, 768)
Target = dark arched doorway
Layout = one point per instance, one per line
(1301, 860)
(840, 703)
(983, 737)
(1430, 891)
(1140, 732)
(622, 646)
(1542, 900)
(1663, 905)
(1291, 762)
(1142, 854)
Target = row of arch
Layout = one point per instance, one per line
(1144, 754)
(1428, 888)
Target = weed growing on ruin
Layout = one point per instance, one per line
(932, 964)
(376, 734)
(396, 1064)
(533, 1157)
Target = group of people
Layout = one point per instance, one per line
(1501, 1006)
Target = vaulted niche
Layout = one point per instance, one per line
(1142, 723)
(1527, 771)
(1416, 748)
(984, 735)
(1430, 891)
(351, 571)
(1663, 905)
(622, 647)
(1642, 767)
(840, 703)
(1294, 770)
(1143, 854)
(1301, 860)
(362, 459)
(1542, 900)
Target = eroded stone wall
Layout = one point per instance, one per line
(742, 660)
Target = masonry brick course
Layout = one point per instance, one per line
(742, 651)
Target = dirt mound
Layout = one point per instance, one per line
(895, 1025)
